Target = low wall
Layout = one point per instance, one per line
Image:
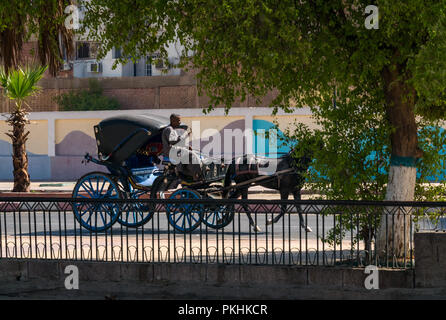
(349, 278)
(157, 92)
(430, 266)
(45, 278)
(196, 280)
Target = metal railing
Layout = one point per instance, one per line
(343, 233)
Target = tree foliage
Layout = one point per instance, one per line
(302, 48)
(21, 83)
(40, 20)
(307, 50)
(353, 163)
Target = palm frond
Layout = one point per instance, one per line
(21, 83)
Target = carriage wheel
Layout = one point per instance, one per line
(217, 217)
(96, 217)
(135, 214)
(185, 217)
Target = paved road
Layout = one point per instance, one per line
(59, 235)
(39, 223)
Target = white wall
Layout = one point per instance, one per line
(127, 70)
(80, 68)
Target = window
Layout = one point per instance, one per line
(87, 50)
(117, 53)
(148, 68)
(82, 50)
(158, 61)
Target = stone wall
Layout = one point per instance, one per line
(158, 92)
(45, 278)
(192, 281)
(430, 266)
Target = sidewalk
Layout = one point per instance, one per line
(43, 186)
(51, 186)
(64, 189)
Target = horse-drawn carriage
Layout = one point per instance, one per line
(130, 147)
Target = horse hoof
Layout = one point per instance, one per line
(269, 222)
(308, 229)
(256, 228)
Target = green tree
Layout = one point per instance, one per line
(305, 50)
(353, 164)
(18, 85)
(40, 20)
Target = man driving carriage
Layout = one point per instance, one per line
(187, 161)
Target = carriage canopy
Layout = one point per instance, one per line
(119, 137)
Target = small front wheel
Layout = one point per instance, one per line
(218, 216)
(134, 215)
(184, 217)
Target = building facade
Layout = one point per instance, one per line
(85, 64)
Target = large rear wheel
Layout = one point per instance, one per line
(96, 216)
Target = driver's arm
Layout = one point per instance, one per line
(174, 138)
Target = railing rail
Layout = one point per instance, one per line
(343, 233)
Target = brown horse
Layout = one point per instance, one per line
(245, 168)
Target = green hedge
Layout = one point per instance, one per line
(87, 100)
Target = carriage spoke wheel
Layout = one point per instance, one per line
(135, 214)
(92, 216)
(218, 216)
(185, 217)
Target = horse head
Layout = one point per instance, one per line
(301, 156)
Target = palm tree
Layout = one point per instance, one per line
(18, 85)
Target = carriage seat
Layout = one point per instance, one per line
(151, 149)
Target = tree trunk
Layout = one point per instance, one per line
(394, 230)
(393, 233)
(19, 137)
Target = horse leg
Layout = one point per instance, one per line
(296, 195)
(248, 214)
(283, 196)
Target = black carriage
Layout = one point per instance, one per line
(129, 147)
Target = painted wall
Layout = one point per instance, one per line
(262, 124)
(59, 140)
